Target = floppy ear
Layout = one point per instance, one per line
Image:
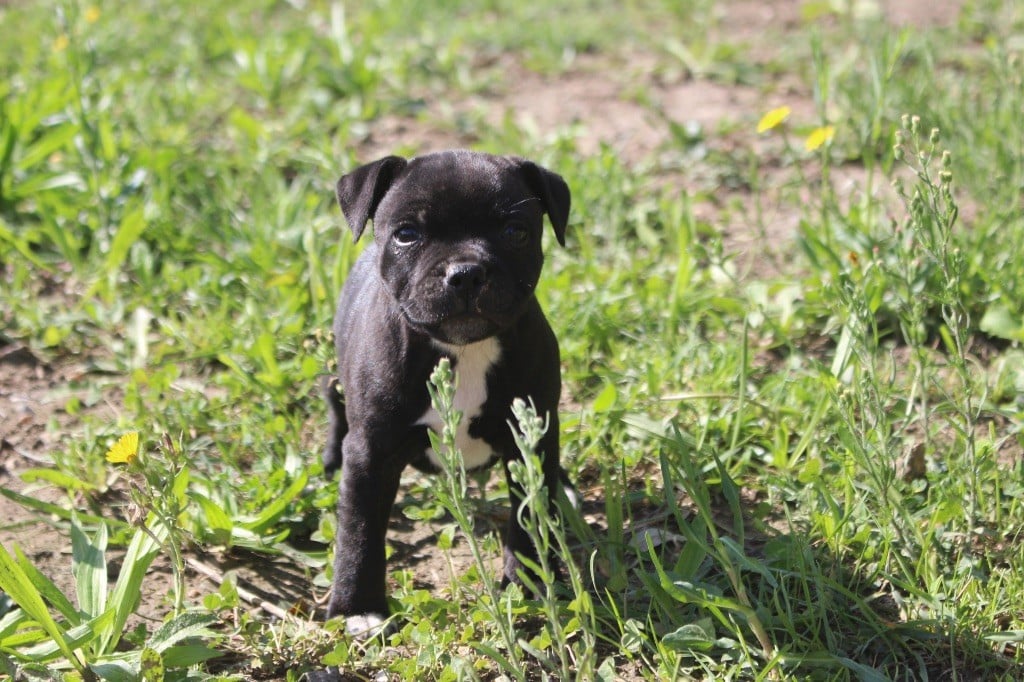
(359, 192)
(553, 193)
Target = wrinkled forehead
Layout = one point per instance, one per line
(439, 185)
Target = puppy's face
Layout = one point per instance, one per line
(459, 238)
(459, 249)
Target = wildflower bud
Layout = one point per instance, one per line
(945, 177)
(136, 515)
(947, 159)
(915, 124)
(905, 121)
(934, 136)
(897, 152)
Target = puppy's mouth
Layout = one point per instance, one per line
(465, 329)
(461, 317)
(459, 330)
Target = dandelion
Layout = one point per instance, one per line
(92, 14)
(60, 43)
(773, 119)
(818, 137)
(125, 450)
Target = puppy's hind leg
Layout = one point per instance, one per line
(337, 425)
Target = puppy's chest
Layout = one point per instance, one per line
(472, 363)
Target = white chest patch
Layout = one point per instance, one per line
(472, 363)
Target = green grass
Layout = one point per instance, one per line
(799, 465)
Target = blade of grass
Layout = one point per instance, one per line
(16, 584)
(124, 598)
(89, 566)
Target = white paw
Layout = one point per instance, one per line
(573, 496)
(366, 625)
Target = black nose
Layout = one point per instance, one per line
(465, 278)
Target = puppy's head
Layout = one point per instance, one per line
(458, 235)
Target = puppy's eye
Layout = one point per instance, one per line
(516, 234)
(406, 235)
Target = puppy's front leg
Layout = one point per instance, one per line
(366, 493)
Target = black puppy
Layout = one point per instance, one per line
(452, 271)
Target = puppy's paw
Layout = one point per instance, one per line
(573, 496)
(369, 625)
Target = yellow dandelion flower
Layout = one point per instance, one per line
(60, 43)
(818, 137)
(773, 118)
(125, 450)
(92, 14)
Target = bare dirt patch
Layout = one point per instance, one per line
(34, 423)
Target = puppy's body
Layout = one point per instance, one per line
(451, 273)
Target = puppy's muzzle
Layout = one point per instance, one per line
(463, 281)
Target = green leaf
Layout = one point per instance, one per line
(151, 665)
(116, 670)
(89, 566)
(58, 511)
(23, 248)
(691, 637)
(55, 139)
(9, 624)
(493, 654)
(187, 624)
(57, 478)
(633, 636)
(218, 526)
(1001, 322)
(18, 587)
(843, 351)
(77, 637)
(274, 510)
(42, 183)
(124, 598)
(865, 673)
(48, 590)
(187, 655)
(605, 400)
(132, 226)
(179, 488)
(694, 550)
(266, 346)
